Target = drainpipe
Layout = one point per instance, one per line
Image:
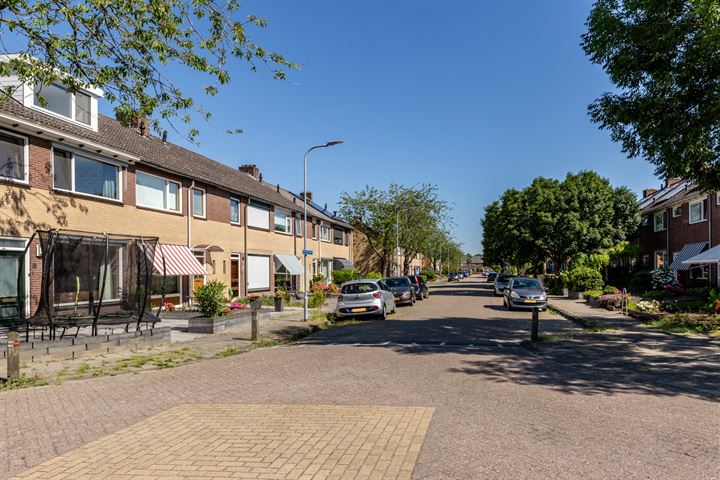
(709, 214)
(245, 249)
(189, 233)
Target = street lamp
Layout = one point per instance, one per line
(305, 249)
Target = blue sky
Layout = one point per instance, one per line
(475, 97)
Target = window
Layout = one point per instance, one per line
(659, 220)
(79, 174)
(314, 230)
(157, 192)
(338, 237)
(172, 285)
(646, 261)
(258, 273)
(698, 212)
(325, 233)
(298, 226)
(13, 157)
(55, 98)
(258, 215)
(644, 220)
(198, 202)
(676, 211)
(660, 258)
(700, 273)
(71, 266)
(283, 221)
(234, 210)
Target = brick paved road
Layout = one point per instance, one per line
(499, 411)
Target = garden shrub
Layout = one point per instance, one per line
(317, 299)
(428, 274)
(581, 279)
(703, 292)
(640, 282)
(650, 306)
(374, 275)
(209, 298)
(614, 299)
(658, 294)
(661, 277)
(688, 306)
(609, 290)
(341, 276)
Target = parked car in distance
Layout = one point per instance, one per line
(453, 277)
(402, 289)
(421, 288)
(501, 281)
(491, 276)
(360, 298)
(523, 292)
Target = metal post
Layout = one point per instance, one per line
(255, 325)
(305, 279)
(13, 356)
(535, 325)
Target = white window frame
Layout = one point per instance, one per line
(72, 190)
(235, 199)
(71, 118)
(26, 159)
(288, 221)
(676, 211)
(704, 272)
(717, 198)
(26, 260)
(325, 228)
(298, 223)
(166, 193)
(204, 202)
(661, 215)
(703, 214)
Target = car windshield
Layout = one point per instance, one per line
(526, 283)
(398, 282)
(503, 278)
(359, 288)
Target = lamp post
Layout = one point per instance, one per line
(305, 249)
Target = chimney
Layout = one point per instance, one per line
(142, 124)
(309, 196)
(669, 182)
(649, 191)
(252, 170)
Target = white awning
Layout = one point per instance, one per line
(291, 263)
(178, 260)
(708, 256)
(688, 251)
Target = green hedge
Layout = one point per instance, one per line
(581, 279)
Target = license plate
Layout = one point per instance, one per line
(397, 298)
(530, 301)
(355, 310)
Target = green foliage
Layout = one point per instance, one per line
(687, 306)
(123, 47)
(317, 279)
(661, 57)
(582, 278)
(610, 290)
(589, 294)
(346, 275)
(655, 294)
(661, 277)
(210, 298)
(374, 275)
(640, 282)
(428, 275)
(578, 218)
(703, 292)
(687, 323)
(317, 299)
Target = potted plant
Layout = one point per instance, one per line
(255, 302)
(279, 296)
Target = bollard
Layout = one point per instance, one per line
(535, 325)
(13, 356)
(254, 332)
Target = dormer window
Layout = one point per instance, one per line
(56, 99)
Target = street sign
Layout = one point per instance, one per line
(307, 252)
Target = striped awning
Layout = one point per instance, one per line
(178, 260)
(708, 256)
(688, 251)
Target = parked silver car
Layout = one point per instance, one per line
(365, 298)
(523, 292)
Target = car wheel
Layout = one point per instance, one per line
(509, 307)
(383, 315)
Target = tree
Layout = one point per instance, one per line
(408, 217)
(663, 57)
(125, 46)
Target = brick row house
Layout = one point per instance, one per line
(678, 223)
(63, 165)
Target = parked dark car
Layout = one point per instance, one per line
(491, 276)
(402, 289)
(421, 288)
(453, 277)
(501, 282)
(523, 292)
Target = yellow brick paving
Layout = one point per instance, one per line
(253, 442)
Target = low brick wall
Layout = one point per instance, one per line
(71, 348)
(220, 324)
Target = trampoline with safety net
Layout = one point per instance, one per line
(89, 280)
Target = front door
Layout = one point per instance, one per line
(10, 295)
(235, 275)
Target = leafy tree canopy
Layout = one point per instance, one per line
(125, 46)
(663, 56)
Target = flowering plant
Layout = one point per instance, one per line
(237, 306)
(332, 288)
(675, 288)
(168, 306)
(651, 306)
(224, 311)
(280, 293)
